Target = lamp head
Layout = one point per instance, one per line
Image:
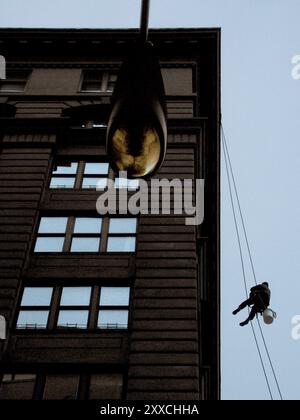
(137, 128)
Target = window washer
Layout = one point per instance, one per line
(259, 300)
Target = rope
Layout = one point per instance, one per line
(229, 166)
(239, 203)
(243, 265)
(270, 360)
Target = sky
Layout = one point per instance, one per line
(261, 118)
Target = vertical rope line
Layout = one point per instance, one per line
(242, 262)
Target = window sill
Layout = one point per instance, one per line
(78, 266)
(65, 199)
(69, 331)
(69, 347)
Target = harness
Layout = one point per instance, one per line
(261, 305)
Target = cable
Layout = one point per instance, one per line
(225, 146)
(243, 265)
(239, 203)
(226, 152)
(270, 360)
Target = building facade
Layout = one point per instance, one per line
(114, 306)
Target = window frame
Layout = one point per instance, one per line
(84, 381)
(64, 176)
(79, 176)
(19, 80)
(190, 64)
(93, 309)
(121, 235)
(35, 308)
(61, 307)
(69, 235)
(15, 380)
(113, 308)
(104, 80)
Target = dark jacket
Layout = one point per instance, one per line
(261, 295)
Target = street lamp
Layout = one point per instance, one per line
(137, 127)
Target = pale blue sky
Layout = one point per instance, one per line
(261, 108)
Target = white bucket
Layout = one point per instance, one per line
(269, 316)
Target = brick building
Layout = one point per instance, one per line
(117, 306)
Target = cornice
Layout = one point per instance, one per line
(92, 42)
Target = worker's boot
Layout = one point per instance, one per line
(236, 311)
(243, 324)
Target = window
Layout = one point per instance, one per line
(114, 304)
(179, 81)
(95, 175)
(86, 234)
(72, 307)
(51, 234)
(121, 235)
(15, 81)
(87, 175)
(57, 386)
(86, 226)
(112, 80)
(64, 176)
(61, 387)
(95, 81)
(17, 387)
(106, 387)
(35, 308)
(129, 184)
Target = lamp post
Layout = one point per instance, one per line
(145, 19)
(137, 129)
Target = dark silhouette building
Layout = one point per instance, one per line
(116, 306)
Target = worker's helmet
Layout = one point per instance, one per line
(266, 284)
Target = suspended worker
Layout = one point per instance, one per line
(259, 300)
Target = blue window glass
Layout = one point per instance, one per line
(32, 319)
(37, 296)
(47, 244)
(88, 225)
(53, 225)
(85, 245)
(123, 225)
(60, 182)
(75, 319)
(96, 169)
(114, 296)
(67, 169)
(110, 319)
(121, 244)
(130, 184)
(76, 296)
(93, 183)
